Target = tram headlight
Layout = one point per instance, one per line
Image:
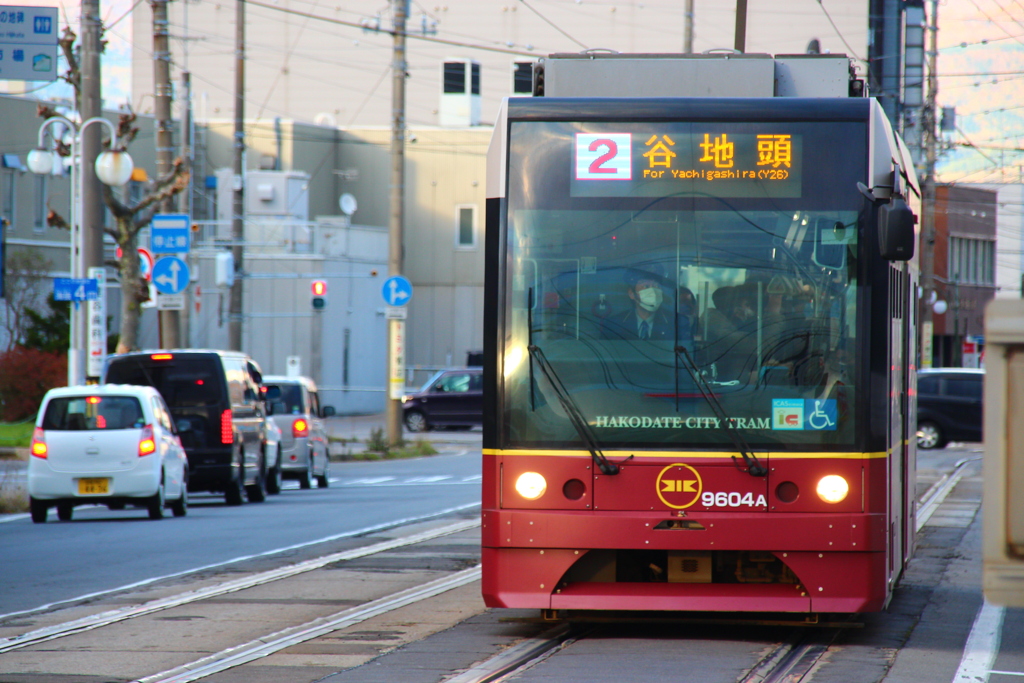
(833, 489)
(531, 485)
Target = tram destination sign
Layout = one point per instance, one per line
(672, 159)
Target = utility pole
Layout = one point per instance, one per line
(185, 198)
(169, 320)
(928, 208)
(238, 205)
(741, 26)
(688, 28)
(396, 328)
(92, 215)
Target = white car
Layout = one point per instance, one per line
(112, 445)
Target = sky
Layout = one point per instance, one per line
(980, 65)
(981, 68)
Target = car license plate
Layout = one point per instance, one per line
(93, 487)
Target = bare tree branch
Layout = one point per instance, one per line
(165, 187)
(55, 220)
(126, 130)
(74, 74)
(129, 218)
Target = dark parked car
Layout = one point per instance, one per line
(451, 398)
(949, 406)
(216, 401)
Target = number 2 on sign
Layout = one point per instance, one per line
(604, 157)
(596, 166)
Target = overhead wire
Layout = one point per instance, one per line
(413, 36)
(995, 22)
(552, 24)
(838, 32)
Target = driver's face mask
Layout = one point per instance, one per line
(650, 298)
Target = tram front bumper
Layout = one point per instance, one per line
(840, 559)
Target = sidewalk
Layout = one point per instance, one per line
(359, 428)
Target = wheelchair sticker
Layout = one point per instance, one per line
(812, 413)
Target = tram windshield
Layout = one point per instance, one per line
(646, 296)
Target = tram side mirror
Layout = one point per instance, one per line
(896, 235)
(830, 243)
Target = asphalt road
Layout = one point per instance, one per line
(101, 550)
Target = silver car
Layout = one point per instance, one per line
(294, 406)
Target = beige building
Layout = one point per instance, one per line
(443, 225)
(307, 60)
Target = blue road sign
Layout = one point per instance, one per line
(28, 43)
(397, 291)
(170, 275)
(75, 289)
(169, 234)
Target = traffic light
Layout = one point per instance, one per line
(319, 300)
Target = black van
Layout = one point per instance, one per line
(949, 406)
(216, 401)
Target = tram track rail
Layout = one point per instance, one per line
(937, 493)
(788, 662)
(109, 617)
(275, 642)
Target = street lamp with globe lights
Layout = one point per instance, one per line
(113, 168)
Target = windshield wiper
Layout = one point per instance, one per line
(579, 422)
(754, 467)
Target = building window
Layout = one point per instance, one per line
(972, 261)
(475, 79)
(39, 205)
(465, 226)
(522, 78)
(455, 77)
(10, 190)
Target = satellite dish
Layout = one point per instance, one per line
(348, 204)
(325, 119)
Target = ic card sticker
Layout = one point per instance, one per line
(787, 413)
(604, 156)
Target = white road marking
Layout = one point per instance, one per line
(368, 481)
(269, 553)
(982, 645)
(441, 480)
(12, 518)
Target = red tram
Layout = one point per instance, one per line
(700, 340)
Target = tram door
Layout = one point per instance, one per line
(900, 456)
(910, 421)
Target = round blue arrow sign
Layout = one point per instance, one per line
(397, 291)
(170, 275)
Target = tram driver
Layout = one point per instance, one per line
(649, 318)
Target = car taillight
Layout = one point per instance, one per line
(147, 444)
(300, 428)
(39, 443)
(226, 433)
